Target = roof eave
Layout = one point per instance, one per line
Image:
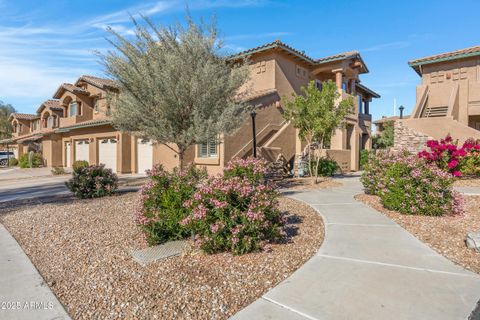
(415, 64)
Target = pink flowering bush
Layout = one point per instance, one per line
(252, 169)
(447, 155)
(92, 182)
(161, 203)
(236, 212)
(410, 185)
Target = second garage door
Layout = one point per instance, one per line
(107, 153)
(144, 155)
(82, 151)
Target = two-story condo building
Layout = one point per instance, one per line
(447, 99)
(76, 124)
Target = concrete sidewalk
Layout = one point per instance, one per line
(469, 191)
(23, 292)
(367, 268)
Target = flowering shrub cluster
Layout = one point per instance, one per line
(411, 185)
(447, 155)
(252, 169)
(161, 203)
(93, 182)
(237, 211)
(234, 214)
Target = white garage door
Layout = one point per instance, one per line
(82, 150)
(68, 155)
(144, 155)
(107, 153)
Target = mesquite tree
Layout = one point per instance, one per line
(175, 86)
(317, 114)
(5, 126)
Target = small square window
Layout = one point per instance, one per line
(209, 149)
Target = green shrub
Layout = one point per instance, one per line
(37, 160)
(253, 169)
(13, 162)
(410, 185)
(326, 167)
(471, 164)
(234, 214)
(58, 171)
(79, 164)
(161, 203)
(364, 155)
(93, 182)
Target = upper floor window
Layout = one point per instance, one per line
(96, 106)
(73, 109)
(50, 122)
(15, 128)
(209, 149)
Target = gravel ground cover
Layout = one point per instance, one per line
(82, 249)
(445, 234)
(467, 182)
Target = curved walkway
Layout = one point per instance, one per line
(367, 268)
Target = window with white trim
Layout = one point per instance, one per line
(209, 149)
(72, 109)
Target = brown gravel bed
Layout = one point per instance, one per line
(467, 182)
(82, 249)
(308, 183)
(445, 234)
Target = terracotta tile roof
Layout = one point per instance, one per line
(299, 54)
(69, 87)
(271, 45)
(85, 124)
(30, 137)
(51, 104)
(23, 116)
(367, 90)
(7, 141)
(447, 56)
(102, 83)
(339, 56)
(450, 55)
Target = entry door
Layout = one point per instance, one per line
(144, 155)
(68, 155)
(107, 153)
(82, 150)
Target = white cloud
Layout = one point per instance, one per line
(36, 58)
(389, 45)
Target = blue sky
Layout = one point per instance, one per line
(45, 43)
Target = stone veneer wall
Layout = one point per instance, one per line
(405, 138)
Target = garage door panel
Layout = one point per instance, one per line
(144, 155)
(107, 153)
(82, 150)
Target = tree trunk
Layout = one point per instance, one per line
(317, 161)
(181, 155)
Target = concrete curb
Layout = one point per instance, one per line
(23, 292)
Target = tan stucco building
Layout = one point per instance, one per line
(447, 99)
(76, 124)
